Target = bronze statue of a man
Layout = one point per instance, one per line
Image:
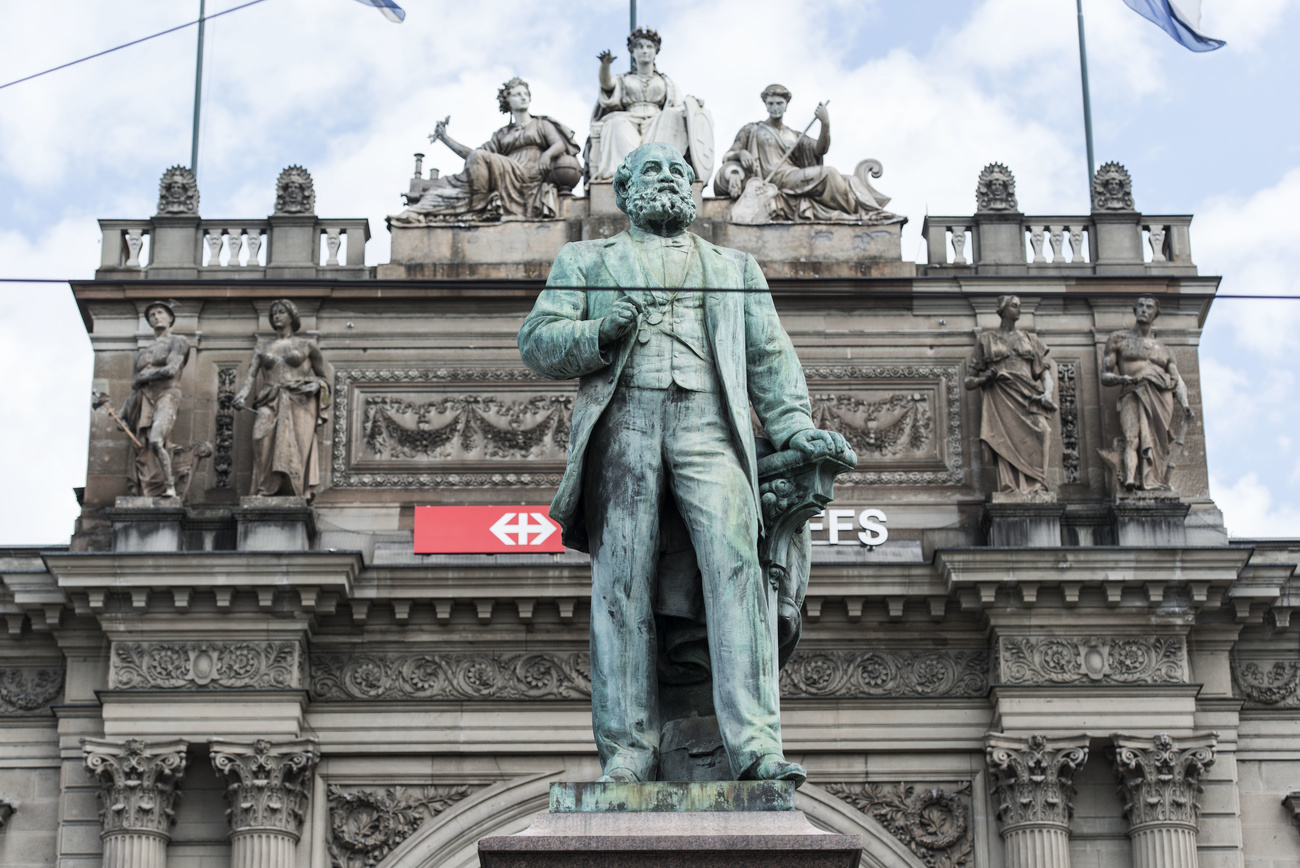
(150, 412)
(672, 339)
(1149, 382)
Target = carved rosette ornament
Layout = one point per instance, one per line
(1112, 189)
(268, 785)
(1032, 782)
(294, 192)
(178, 193)
(996, 190)
(1160, 780)
(138, 791)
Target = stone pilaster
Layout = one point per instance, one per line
(1032, 781)
(1160, 779)
(138, 791)
(268, 785)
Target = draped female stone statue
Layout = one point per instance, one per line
(1011, 369)
(290, 405)
(518, 172)
(642, 106)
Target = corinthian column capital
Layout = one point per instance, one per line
(267, 783)
(138, 783)
(1033, 778)
(1160, 777)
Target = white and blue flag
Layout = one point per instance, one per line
(391, 10)
(1181, 19)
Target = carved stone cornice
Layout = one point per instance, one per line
(1291, 801)
(1160, 777)
(197, 665)
(138, 783)
(268, 783)
(29, 689)
(1033, 777)
(934, 822)
(1092, 660)
(366, 823)
(881, 673)
(450, 675)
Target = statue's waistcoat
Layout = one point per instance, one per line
(672, 345)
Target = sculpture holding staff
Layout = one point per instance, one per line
(642, 106)
(290, 405)
(1011, 369)
(667, 372)
(1150, 384)
(149, 414)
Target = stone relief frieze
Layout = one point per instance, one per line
(1066, 373)
(1091, 659)
(1267, 683)
(904, 421)
(181, 665)
(367, 823)
(863, 674)
(223, 459)
(29, 689)
(933, 821)
(468, 427)
(450, 675)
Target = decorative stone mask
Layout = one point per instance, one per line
(996, 190)
(178, 192)
(1112, 189)
(294, 193)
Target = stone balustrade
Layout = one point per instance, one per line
(1059, 244)
(191, 247)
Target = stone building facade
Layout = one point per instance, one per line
(1087, 676)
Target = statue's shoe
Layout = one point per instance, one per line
(618, 776)
(774, 767)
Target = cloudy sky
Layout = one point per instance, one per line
(932, 88)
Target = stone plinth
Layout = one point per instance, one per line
(1025, 523)
(721, 823)
(147, 524)
(1146, 522)
(274, 524)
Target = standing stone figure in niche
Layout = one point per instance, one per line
(290, 405)
(643, 106)
(1011, 369)
(150, 411)
(519, 172)
(1149, 382)
(661, 422)
(805, 189)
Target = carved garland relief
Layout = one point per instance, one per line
(29, 690)
(1069, 402)
(1267, 682)
(366, 824)
(850, 674)
(179, 665)
(437, 428)
(933, 821)
(1091, 659)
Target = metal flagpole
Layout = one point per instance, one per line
(1087, 101)
(198, 98)
(632, 10)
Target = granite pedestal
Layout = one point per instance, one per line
(674, 825)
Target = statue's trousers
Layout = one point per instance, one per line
(650, 444)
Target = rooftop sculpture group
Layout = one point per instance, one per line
(775, 173)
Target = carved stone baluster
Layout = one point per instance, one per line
(134, 244)
(1033, 783)
(268, 785)
(1036, 241)
(1076, 244)
(254, 245)
(138, 792)
(1160, 779)
(959, 245)
(1156, 236)
(1056, 236)
(333, 240)
(234, 241)
(214, 239)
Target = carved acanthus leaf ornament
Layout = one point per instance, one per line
(450, 675)
(267, 783)
(178, 665)
(367, 823)
(137, 783)
(853, 674)
(1160, 778)
(934, 822)
(1085, 659)
(1033, 777)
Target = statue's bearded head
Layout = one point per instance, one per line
(653, 186)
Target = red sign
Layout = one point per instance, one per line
(487, 530)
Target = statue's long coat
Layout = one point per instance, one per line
(754, 356)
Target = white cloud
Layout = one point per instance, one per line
(1250, 511)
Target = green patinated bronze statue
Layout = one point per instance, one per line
(672, 339)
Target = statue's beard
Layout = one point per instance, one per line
(659, 210)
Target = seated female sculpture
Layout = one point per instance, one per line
(289, 406)
(518, 172)
(1011, 368)
(643, 106)
(792, 163)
